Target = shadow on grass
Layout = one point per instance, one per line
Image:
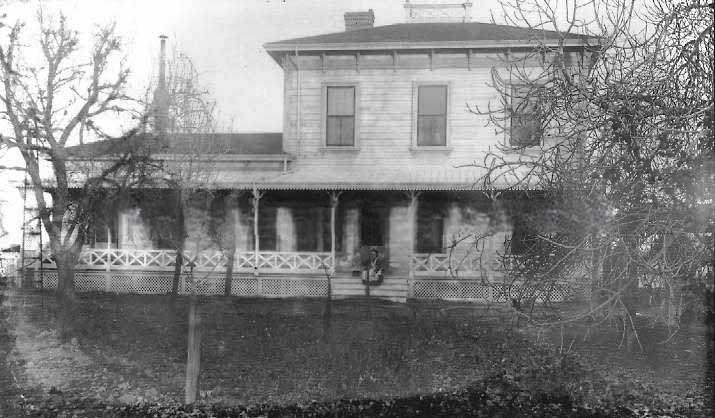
(295, 358)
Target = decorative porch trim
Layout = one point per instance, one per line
(97, 259)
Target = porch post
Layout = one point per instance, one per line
(109, 248)
(334, 199)
(256, 240)
(413, 196)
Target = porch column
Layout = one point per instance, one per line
(109, 249)
(334, 200)
(257, 194)
(413, 197)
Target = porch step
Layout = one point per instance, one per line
(394, 289)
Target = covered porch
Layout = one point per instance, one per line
(298, 234)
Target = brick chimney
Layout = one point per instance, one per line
(359, 20)
(161, 95)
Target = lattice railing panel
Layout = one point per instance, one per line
(90, 282)
(282, 287)
(495, 292)
(290, 261)
(433, 264)
(123, 283)
(49, 279)
(153, 283)
(244, 286)
(210, 286)
(119, 259)
(451, 290)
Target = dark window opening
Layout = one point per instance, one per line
(312, 229)
(430, 228)
(267, 228)
(373, 226)
(340, 117)
(525, 130)
(103, 231)
(432, 116)
(522, 238)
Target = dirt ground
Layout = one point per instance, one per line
(124, 349)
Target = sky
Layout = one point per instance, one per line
(224, 39)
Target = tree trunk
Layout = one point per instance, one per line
(178, 262)
(65, 296)
(179, 236)
(193, 359)
(630, 304)
(65, 277)
(229, 273)
(595, 279)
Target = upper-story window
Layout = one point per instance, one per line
(340, 116)
(525, 128)
(431, 118)
(432, 115)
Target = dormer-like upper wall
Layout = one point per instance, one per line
(400, 94)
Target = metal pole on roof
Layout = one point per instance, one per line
(298, 101)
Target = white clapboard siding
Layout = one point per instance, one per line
(385, 115)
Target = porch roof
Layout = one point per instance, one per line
(335, 177)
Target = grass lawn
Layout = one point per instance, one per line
(128, 349)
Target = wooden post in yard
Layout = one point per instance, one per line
(193, 358)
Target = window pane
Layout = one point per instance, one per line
(340, 131)
(525, 130)
(525, 123)
(333, 131)
(341, 101)
(432, 100)
(431, 131)
(347, 130)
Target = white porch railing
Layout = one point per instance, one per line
(142, 259)
(430, 264)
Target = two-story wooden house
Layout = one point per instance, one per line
(377, 151)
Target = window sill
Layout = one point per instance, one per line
(531, 149)
(439, 148)
(346, 149)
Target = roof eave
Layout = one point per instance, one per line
(397, 45)
(201, 157)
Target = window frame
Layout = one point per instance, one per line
(512, 115)
(415, 114)
(324, 116)
(431, 211)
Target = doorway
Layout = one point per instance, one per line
(374, 229)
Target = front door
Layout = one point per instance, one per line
(373, 230)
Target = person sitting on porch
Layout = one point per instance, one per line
(373, 274)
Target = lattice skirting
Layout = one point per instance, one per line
(476, 291)
(146, 282)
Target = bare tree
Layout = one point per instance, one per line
(618, 137)
(182, 118)
(50, 102)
